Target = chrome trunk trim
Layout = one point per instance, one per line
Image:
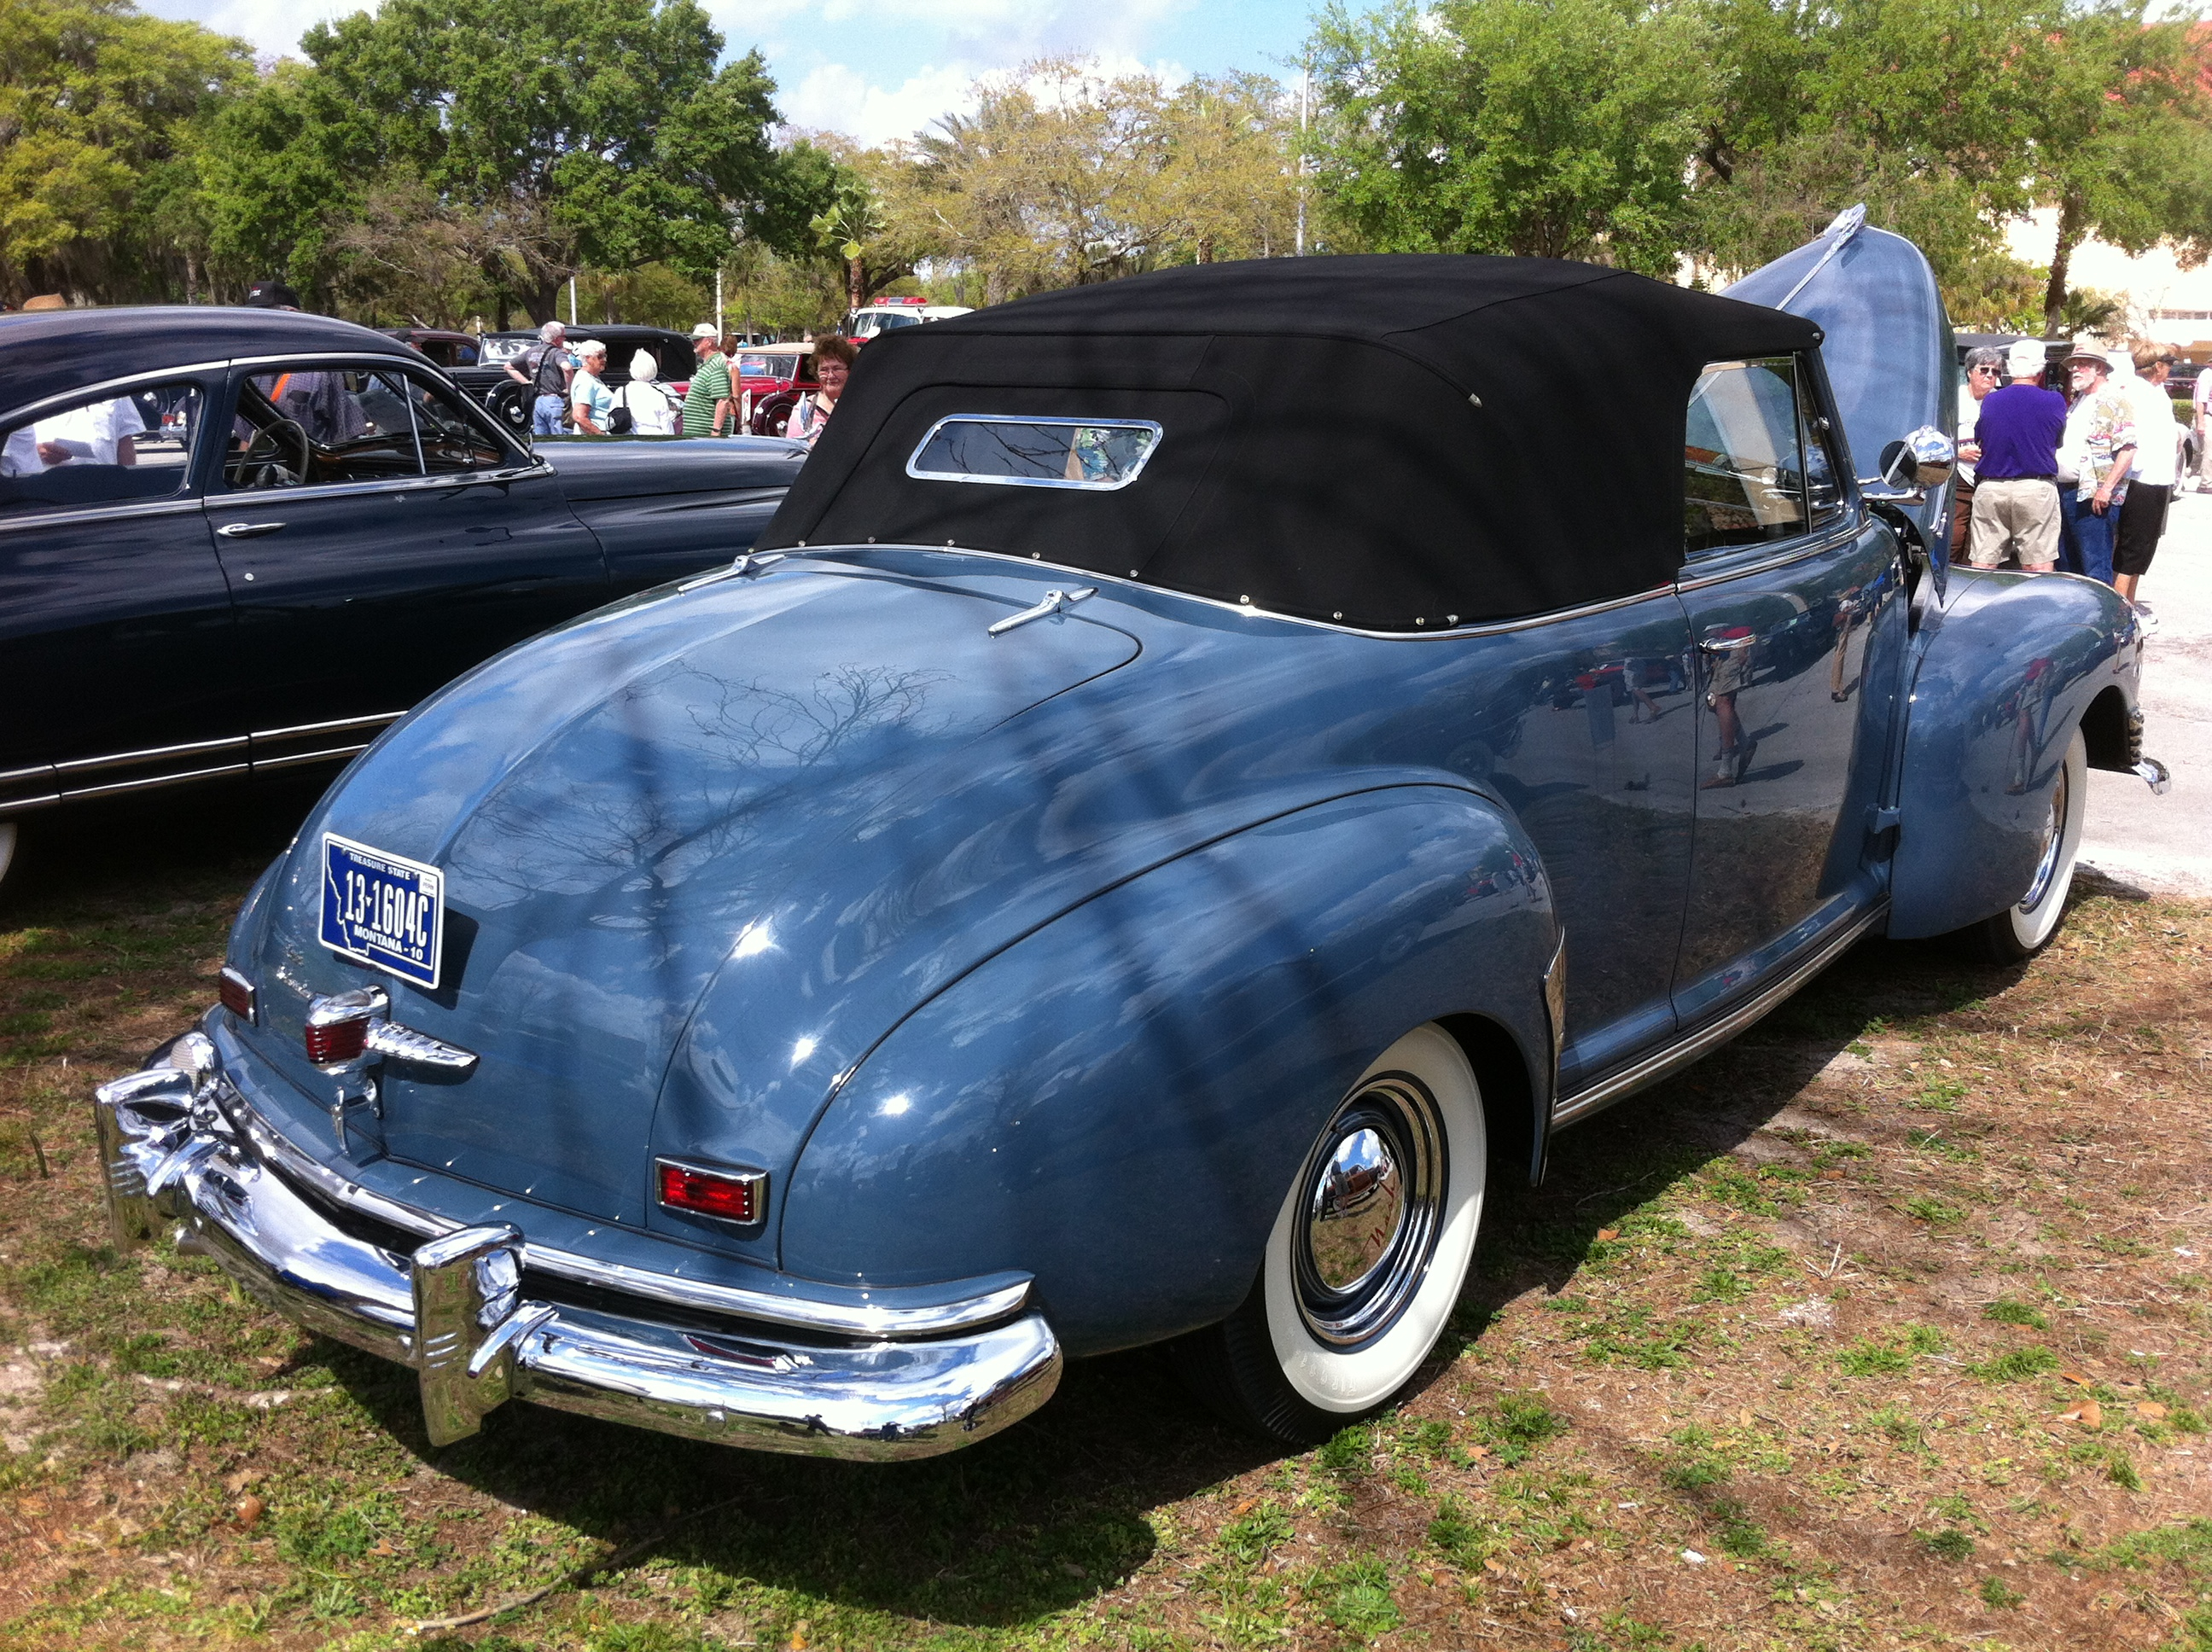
(1595, 1097)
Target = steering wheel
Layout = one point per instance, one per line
(263, 464)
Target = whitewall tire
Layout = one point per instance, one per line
(2025, 928)
(8, 834)
(1367, 1256)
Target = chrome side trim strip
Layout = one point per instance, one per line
(768, 1307)
(1664, 1063)
(112, 787)
(294, 759)
(375, 719)
(129, 512)
(1443, 634)
(86, 765)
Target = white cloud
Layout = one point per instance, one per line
(838, 99)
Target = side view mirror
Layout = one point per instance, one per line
(1915, 463)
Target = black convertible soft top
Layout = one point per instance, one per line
(1396, 442)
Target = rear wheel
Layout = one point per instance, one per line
(1366, 1257)
(2026, 927)
(8, 835)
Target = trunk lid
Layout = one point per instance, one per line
(611, 806)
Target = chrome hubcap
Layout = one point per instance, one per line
(1370, 1199)
(2054, 838)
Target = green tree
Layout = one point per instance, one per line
(1558, 128)
(546, 135)
(98, 101)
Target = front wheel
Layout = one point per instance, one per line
(1366, 1257)
(2025, 928)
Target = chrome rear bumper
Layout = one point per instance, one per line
(176, 1148)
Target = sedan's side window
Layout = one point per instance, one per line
(1743, 456)
(103, 450)
(452, 439)
(317, 426)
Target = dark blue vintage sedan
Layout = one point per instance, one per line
(1126, 858)
(234, 540)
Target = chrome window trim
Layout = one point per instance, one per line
(1793, 550)
(1248, 611)
(1135, 470)
(65, 398)
(1595, 1097)
(238, 498)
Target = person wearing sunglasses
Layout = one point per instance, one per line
(1984, 372)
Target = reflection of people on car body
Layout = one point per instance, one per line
(833, 365)
(1727, 648)
(1849, 608)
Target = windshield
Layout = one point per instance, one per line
(497, 350)
(766, 366)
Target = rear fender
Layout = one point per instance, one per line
(1116, 1102)
(2012, 666)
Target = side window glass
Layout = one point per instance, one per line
(105, 449)
(316, 427)
(1742, 456)
(451, 440)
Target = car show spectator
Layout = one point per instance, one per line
(651, 408)
(2158, 462)
(98, 433)
(546, 367)
(710, 405)
(833, 365)
(590, 401)
(271, 295)
(2093, 462)
(2017, 431)
(1985, 371)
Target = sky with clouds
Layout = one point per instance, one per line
(884, 68)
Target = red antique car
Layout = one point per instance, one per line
(770, 378)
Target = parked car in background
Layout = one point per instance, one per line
(770, 378)
(1126, 861)
(237, 540)
(889, 314)
(448, 349)
(489, 383)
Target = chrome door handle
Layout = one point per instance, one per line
(1727, 647)
(247, 530)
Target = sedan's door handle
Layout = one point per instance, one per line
(247, 530)
(1728, 647)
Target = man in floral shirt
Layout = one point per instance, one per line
(2093, 465)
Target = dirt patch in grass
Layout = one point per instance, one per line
(1887, 1325)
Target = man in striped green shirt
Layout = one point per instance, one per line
(710, 406)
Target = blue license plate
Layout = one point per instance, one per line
(383, 909)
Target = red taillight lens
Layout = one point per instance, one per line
(337, 1041)
(236, 992)
(733, 1195)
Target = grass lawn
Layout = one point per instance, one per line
(1887, 1326)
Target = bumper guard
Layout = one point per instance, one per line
(453, 1308)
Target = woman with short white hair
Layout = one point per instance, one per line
(651, 409)
(589, 398)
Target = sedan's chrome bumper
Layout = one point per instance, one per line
(455, 1310)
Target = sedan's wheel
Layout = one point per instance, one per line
(8, 837)
(1366, 1257)
(2026, 927)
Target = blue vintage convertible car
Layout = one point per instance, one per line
(236, 540)
(1125, 860)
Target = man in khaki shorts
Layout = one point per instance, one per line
(2015, 480)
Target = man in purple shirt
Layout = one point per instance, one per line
(2015, 479)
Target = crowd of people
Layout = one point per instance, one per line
(569, 389)
(2080, 482)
